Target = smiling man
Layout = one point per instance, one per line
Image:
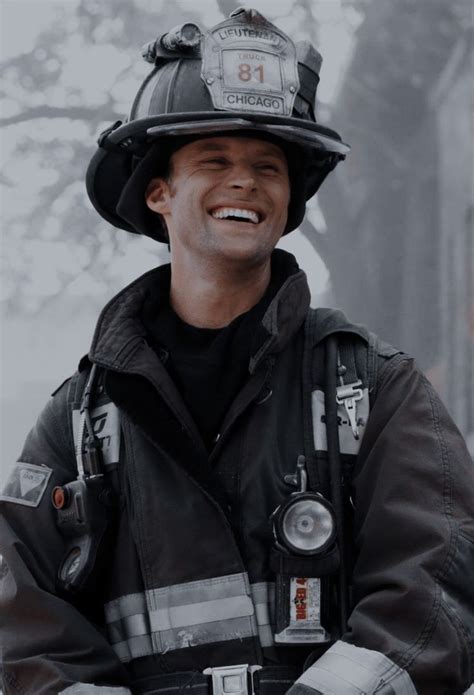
(225, 206)
(234, 493)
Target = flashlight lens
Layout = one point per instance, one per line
(307, 525)
(190, 34)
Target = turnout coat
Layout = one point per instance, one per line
(187, 581)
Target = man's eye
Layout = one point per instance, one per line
(216, 160)
(266, 166)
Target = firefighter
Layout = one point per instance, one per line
(234, 493)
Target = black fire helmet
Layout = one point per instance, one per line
(242, 77)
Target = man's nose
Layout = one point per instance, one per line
(242, 176)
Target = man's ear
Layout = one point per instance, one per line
(157, 196)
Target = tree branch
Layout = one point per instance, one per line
(80, 113)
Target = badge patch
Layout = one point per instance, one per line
(250, 65)
(26, 484)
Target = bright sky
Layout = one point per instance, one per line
(22, 20)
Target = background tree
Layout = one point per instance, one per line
(399, 211)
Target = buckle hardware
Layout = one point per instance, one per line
(348, 395)
(232, 680)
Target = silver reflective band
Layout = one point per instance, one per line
(90, 689)
(182, 615)
(293, 133)
(263, 596)
(232, 679)
(348, 670)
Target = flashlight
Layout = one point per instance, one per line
(185, 37)
(305, 524)
(304, 530)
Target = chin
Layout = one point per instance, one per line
(245, 246)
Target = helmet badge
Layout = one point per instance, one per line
(248, 64)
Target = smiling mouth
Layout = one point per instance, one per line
(237, 215)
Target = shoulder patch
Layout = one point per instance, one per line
(26, 484)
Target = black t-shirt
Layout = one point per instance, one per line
(207, 365)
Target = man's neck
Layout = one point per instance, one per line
(211, 298)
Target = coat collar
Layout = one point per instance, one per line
(120, 333)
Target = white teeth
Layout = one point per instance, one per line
(223, 213)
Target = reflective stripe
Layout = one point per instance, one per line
(182, 615)
(125, 605)
(348, 670)
(87, 688)
(194, 635)
(200, 613)
(135, 625)
(199, 591)
(263, 595)
(134, 648)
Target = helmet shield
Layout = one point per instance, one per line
(242, 77)
(250, 68)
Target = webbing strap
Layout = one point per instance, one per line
(270, 680)
(309, 415)
(372, 364)
(347, 358)
(355, 378)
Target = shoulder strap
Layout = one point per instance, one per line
(357, 361)
(104, 415)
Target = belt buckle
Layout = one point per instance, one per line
(232, 680)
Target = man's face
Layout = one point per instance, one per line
(226, 199)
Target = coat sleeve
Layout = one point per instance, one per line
(412, 627)
(47, 642)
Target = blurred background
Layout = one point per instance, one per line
(389, 239)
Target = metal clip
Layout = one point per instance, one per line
(300, 478)
(232, 679)
(348, 395)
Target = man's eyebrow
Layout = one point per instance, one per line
(210, 146)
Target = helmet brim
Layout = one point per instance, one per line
(116, 184)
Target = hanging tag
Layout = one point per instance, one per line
(298, 611)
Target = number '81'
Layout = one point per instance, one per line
(245, 72)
